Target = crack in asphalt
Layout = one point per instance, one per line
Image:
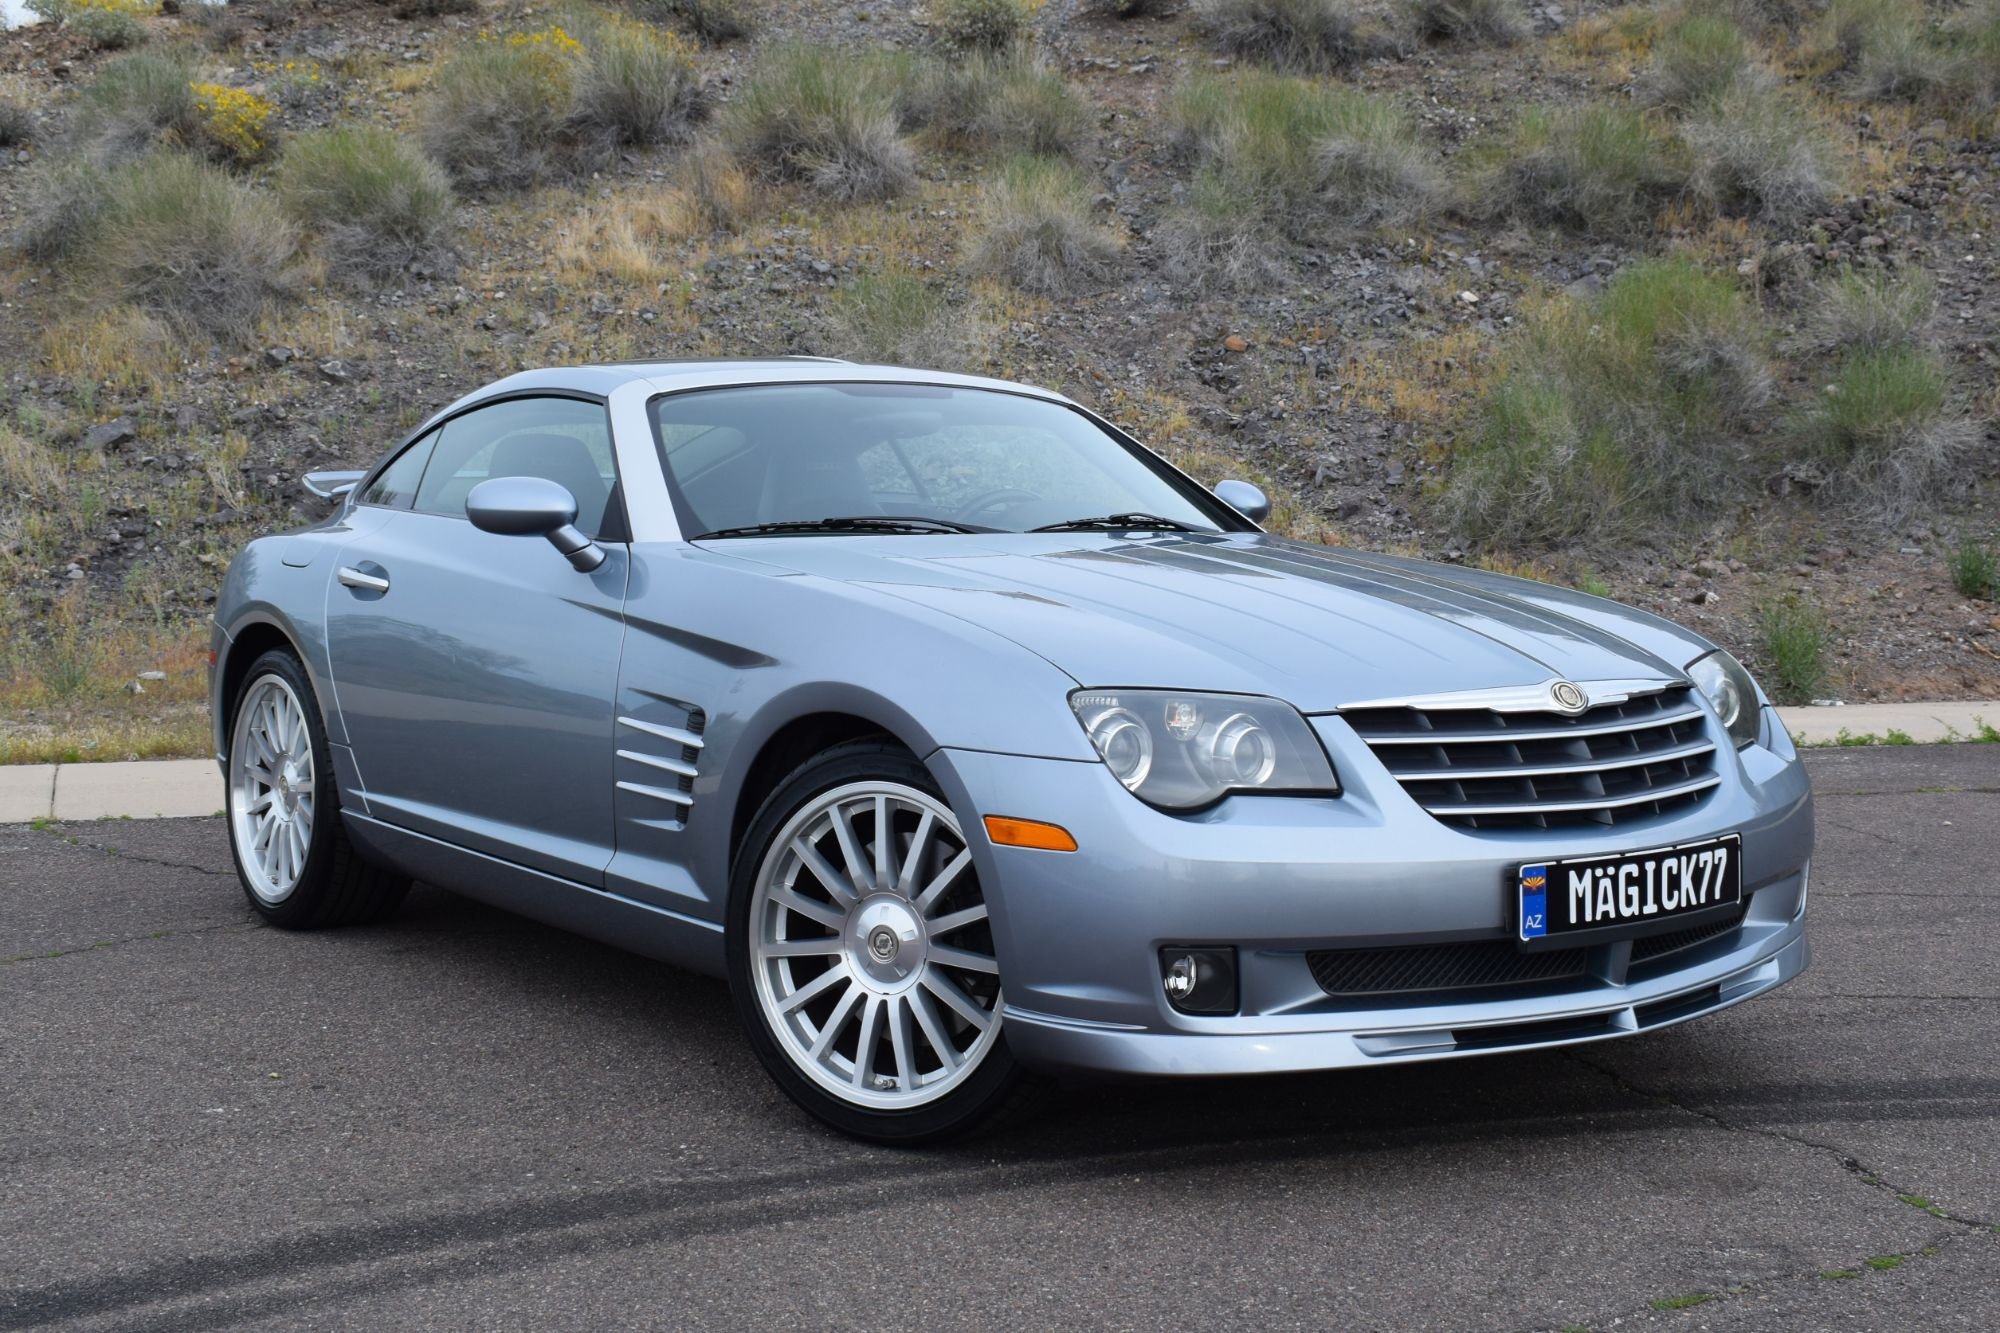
(122, 940)
(1967, 1226)
(1924, 1253)
(124, 855)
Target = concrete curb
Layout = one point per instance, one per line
(180, 788)
(148, 789)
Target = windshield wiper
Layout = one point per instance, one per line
(858, 523)
(1111, 522)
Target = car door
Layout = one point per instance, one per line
(475, 673)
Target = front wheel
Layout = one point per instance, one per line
(291, 852)
(861, 952)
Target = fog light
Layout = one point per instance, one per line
(1200, 979)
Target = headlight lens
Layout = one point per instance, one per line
(1729, 687)
(1181, 750)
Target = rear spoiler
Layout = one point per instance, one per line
(333, 485)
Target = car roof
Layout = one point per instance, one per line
(712, 372)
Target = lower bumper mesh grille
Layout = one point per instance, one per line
(1475, 965)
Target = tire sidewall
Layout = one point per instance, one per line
(302, 905)
(959, 1110)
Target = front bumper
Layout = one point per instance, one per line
(1078, 935)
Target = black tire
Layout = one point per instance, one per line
(335, 886)
(997, 1089)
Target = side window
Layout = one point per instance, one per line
(566, 441)
(396, 484)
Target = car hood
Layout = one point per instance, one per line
(1322, 627)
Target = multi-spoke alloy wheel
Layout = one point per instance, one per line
(285, 827)
(873, 953)
(863, 952)
(271, 778)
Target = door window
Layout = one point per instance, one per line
(561, 439)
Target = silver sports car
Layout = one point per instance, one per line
(971, 741)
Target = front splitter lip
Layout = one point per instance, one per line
(1083, 1047)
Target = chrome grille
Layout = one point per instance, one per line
(1484, 768)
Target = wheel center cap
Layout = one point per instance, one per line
(886, 943)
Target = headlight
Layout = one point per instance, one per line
(1729, 687)
(1180, 750)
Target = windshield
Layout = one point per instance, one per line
(943, 459)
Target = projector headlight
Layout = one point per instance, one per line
(1181, 750)
(1728, 686)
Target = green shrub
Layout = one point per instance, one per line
(221, 24)
(66, 199)
(825, 118)
(1698, 59)
(187, 241)
(1753, 153)
(895, 317)
(1039, 233)
(1310, 36)
(1618, 414)
(1286, 160)
(1595, 168)
(17, 124)
(1124, 9)
(135, 102)
(710, 21)
(1794, 642)
(497, 115)
(1885, 432)
(1864, 310)
(991, 26)
(1973, 35)
(1885, 50)
(637, 85)
(1007, 104)
(1498, 21)
(107, 29)
(378, 203)
(1975, 569)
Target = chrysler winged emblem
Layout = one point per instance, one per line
(1568, 698)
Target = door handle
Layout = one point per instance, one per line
(354, 578)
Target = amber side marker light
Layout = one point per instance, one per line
(1007, 832)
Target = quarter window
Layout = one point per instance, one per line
(561, 439)
(395, 485)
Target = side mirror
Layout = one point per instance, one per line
(333, 485)
(1245, 499)
(532, 507)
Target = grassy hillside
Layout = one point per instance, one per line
(1693, 303)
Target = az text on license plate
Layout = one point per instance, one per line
(1633, 888)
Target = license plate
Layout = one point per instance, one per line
(1579, 898)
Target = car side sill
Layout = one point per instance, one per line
(610, 918)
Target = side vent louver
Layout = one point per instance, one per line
(658, 758)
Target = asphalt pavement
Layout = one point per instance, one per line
(461, 1119)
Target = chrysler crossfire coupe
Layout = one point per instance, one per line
(973, 743)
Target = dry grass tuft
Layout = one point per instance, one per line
(896, 318)
(1866, 311)
(1599, 168)
(185, 240)
(1039, 233)
(988, 26)
(378, 203)
(710, 21)
(1617, 415)
(1007, 103)
(1757, 154)
(825, 118)
(17, 124)
(1308, 36)
(1499, 22)
(1285, 161)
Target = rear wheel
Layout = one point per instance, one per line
(291, 852)
(861, 952)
